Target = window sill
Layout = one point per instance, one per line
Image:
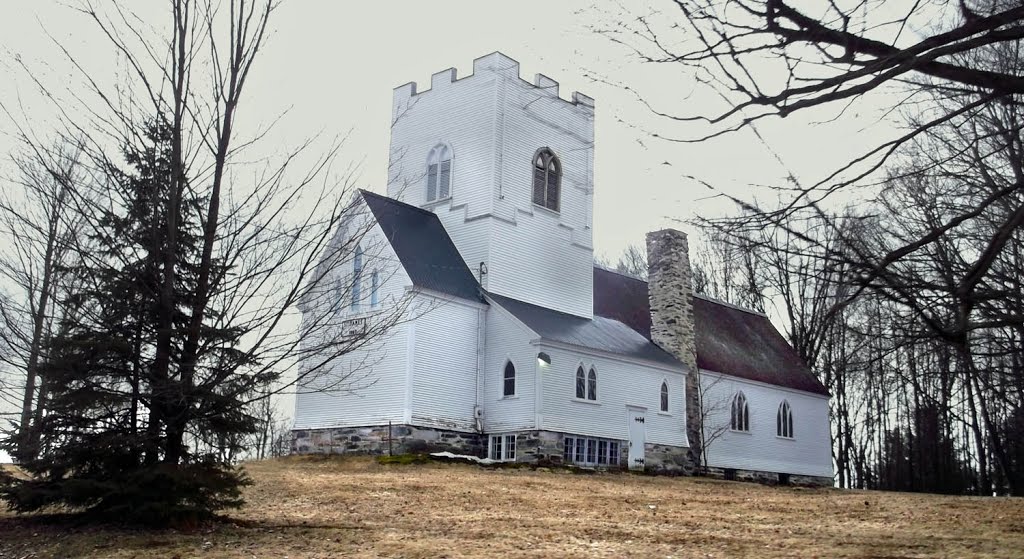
(785, 438)
(665, 413)
(738, 432)
(547, 210)
(434, 203)
(584, 401)
(513, 397)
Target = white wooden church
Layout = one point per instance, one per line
(514, 345)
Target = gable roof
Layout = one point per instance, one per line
(730, 340)
(600, 333)
(423, 247)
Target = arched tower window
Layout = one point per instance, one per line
(592, 385)
(509, 386)
(581, 383)
(547, 179)
(784, 420)
(740, 413)
(439, 173)
(664, 396)
(357, 277)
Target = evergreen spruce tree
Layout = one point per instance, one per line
(122, 436)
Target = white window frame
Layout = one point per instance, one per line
(515, 378)
(502, 448)
(374, 289)
(784, 421)
(739, 412)
(592, 384)
(549, 157)
(586, 451)
(356, 289)
(434, 157)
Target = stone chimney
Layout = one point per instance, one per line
(670, 289)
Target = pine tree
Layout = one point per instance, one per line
(111, 441)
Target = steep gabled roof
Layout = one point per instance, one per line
(423, 247)
(600, 333)
(730, 340)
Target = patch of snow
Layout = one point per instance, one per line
(449, 455)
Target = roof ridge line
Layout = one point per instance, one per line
(618, 273)
(396, 201)
(728, 304)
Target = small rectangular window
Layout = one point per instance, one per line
(567, 452)
(591, 451)
(613, 453)
(495, 447)
(502, 448)
(602, 452)
(581, 451)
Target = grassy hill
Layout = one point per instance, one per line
(317, 507)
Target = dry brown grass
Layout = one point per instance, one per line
(314, 507)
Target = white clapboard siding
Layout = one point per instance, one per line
(494, 122)
(807, 453)
(445, 362)
(619, 384)
(508, 340)
(368, 385)
(460, 115)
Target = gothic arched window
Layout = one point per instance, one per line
(547, 179)
(592, 385)
(740, 413)
(509, 388)
(664, 396)
(784, 420)
(439, 173)
(581, 383)
(357, 277)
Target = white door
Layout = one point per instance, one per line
(637, 437)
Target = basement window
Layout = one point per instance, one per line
(502, 448)
(588, 451)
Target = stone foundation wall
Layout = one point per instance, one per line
(768, 478)
(548, 446)
(532, 447)
(539, 446)
(403, 439)
(667, 459)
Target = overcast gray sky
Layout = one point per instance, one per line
(332, 65)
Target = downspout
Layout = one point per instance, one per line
(481, 354)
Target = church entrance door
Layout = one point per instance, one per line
(637, 436)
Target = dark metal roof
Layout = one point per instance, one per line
(729, 340)
(423, 246)
(600, 333)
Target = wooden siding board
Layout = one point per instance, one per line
(620, 384)
(508, 339)
(807, 453)
(445, 360)
(365, 387)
